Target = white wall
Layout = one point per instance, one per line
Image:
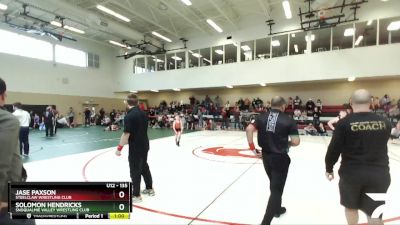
(36, 76)
(360, 62)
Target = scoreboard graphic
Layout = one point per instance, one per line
(66, 200)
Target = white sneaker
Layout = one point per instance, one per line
(137, 199)
(148, 192)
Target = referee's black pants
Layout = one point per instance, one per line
(277, 167)
(138, 168)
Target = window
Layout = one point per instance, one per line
(170, 61)
(366, 33)
(70, 56)
(160, 61)
(194, 58)
(180, 60)
(151, 64)
(320, 40)
(205, 55)
(279, 45)
(298, 43)
(230, 53)
(389, 31)
(217, 55)
(247, 51)
(139, 66)
(263, 48)
(15, 44)
(343, 37)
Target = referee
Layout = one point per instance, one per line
(361, 140)
(274, 129)
(135, 134)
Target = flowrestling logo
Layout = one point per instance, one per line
(226, 154)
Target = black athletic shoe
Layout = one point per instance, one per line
(178, 143)
(281, 211)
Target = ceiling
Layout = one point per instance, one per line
(171, 18)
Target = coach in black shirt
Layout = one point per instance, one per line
(135, 134)
(274, 129)
(361, 139)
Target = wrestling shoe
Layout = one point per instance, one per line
(148, 192)
(282, 210)
(137, 199)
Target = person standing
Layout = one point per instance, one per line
(87, 116)
(56, 117)
(48, 118)
(135, 135)
(71, 116)
(11, 168)
(361, 140)
(177, 126)
(24, 119)
(277, 132)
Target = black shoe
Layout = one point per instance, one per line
(282, 210)
(178, 143)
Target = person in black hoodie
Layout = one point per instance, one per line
(361, 140)
(48, 118)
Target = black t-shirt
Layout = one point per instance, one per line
(310, 105)
(361, 139)
(87, 113)
(136, 123)
(297, 102)
(48, 117)
(316, 115)
(274, 129)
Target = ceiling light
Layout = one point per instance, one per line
(76, 30)
(187, 2)
(3, 7)
(246, 48)
(286, 8)
(349, 32)
(176, 58)
(119, 44)
(394, 26)
(229, 86)
(190, 51)
(351, 79)
(312, 37)
(207, 60)
(214, 25)
(56, 23)
(112, 13)
(296, 48)
(369, 22)
(219, 52)
(154, 91)
(176, 89)
(134, 92)
(359, 39)
(263, 84)
(197, 55)
(293, 35)
(275, 43)
(161, 36)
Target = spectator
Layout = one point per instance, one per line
(113, 115)
(11, 169)
(316, 117)
(227, 105)
(310, 105)
(319, 105)
(32, 116)
(376, 104)
(385, 103)
(297, 103)
(290, 103)
(236, 115)
(36, 121)
(87, 116)
(247, 104)
(48, 119)
(56, 117)
(71, 116)
(101, 117)
(24, 119)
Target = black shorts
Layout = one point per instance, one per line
(178, 129)
(355, 183)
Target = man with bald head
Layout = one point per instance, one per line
(277, 132)
(361, 140)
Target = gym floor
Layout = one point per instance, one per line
(210, 179)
